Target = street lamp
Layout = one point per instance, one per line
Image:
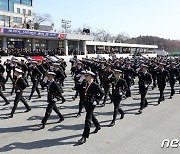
(66, 24)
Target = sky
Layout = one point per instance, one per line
(135, 17)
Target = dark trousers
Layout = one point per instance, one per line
(89, 117)
(107, 92)
(51, 106)
(161, 87)
(116, 101)
(81, 104)
(3, 97)
(25, 78)
(172, 83)
(154, 81)
(9, 76)
(18, 98)
(144, 102)
(128, 91)
(35, 88)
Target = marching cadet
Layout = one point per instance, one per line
(153, 71)
(81, 84)
(59, 77)
(2, 82)
(145, 80)
(93, 94)
(162, 77)
(8, 70)
(129, 73)
(19, 87)
(101, 72)
(24, 68)
(119, 86)
(107, 83)
(52, 97)
(29, 65)
(43, 71)
(174, 74)
(35, 78)
(2, 70)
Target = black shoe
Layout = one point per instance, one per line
(170, 97)
(39, 96)
(78, 115)
(140, 111)
(9, 115)
(122, 115)
(41, 126)
(159, 101)
(27, 110)
(96, 130)
(111, 124)
(6, 104)
(103, 105)
(29, 98)
(82, 140)
(124, 97)
(63, 101)
(73, 98)
(60, 120)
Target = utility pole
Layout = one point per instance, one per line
(66, 24)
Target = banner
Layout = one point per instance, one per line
(28, 32)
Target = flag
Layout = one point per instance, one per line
(62, 36)
(1, 30)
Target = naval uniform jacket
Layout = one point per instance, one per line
(20, 85)
(173, 73)
(145, 80)
(107, 79)
(92, 93)
(119, 86)
(36, 74)
(162, 77)
(54, 91)
(2, 81)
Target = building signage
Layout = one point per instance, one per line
(62, 36)
(28, 32)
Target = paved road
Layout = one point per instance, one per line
(136, 134)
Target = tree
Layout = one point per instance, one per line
(39, 19)
(103, 36)
(121, 37)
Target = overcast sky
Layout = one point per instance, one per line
(134, 17)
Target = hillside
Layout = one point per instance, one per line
(166, 44)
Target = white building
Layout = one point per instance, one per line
(16, 13)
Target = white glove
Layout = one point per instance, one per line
(94, 103)
(18, 91)
(110, 76)
(146, 86)
(55, 99)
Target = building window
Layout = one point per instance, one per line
(24, 11)
(17, 1)
(27, 2)
(18, 10)
(14, 19)
(1, 18)
(29, 12)
(17, 19)
(4, 5)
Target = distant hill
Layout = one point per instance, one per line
(166, 44)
